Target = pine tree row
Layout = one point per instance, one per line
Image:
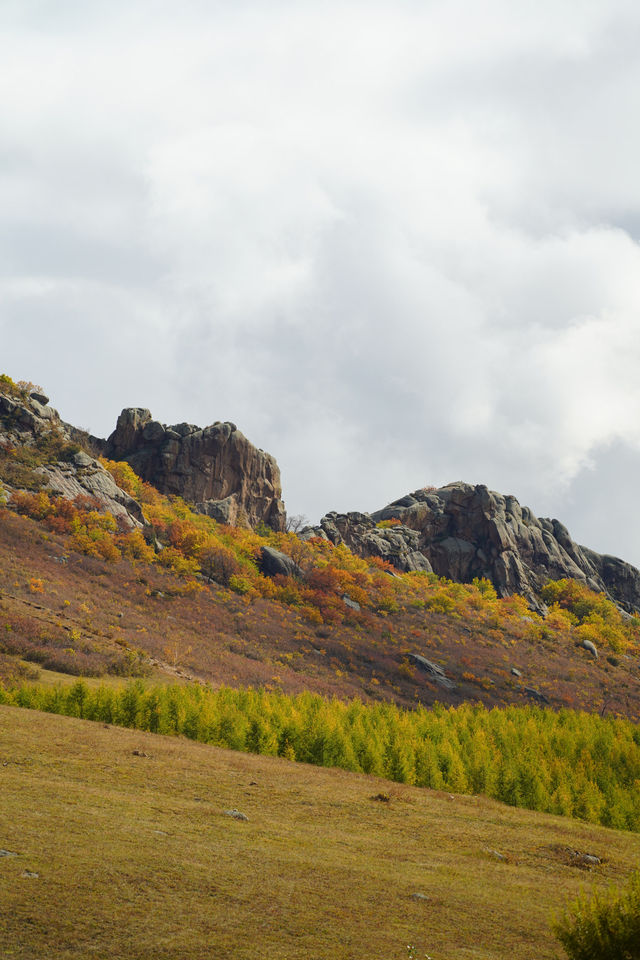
(569, 763)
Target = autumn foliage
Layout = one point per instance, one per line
(333, 586)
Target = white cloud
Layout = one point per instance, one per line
(387, 240)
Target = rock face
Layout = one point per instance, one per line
(215, 468)
(462, 531)
(54, 461)
(398, 545)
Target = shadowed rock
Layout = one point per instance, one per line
(536, 695)
(274, 563)
(434, 670)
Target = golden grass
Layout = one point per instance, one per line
(137, 860)
(54, 678)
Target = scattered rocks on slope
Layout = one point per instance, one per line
(575, 858)
(587, 859)
(236, 814)
(435, 671)
(461, 531)
(215, 468)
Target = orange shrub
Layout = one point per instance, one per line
(133, 546)
(38, 506)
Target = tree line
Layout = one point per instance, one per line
(568, 762)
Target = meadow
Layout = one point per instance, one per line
(120, 848)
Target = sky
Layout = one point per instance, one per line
(398, 244)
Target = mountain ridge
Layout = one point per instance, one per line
(459, 531)
(463, 531)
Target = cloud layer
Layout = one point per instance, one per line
(398, 244)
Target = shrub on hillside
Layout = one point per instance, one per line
(605, 926)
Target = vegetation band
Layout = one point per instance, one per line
(569, 763)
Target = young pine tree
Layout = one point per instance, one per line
(605, 926)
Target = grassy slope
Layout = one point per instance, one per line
(136, 858)
(220, 637)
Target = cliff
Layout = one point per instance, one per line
(216, 468)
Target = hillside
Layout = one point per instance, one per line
(65, 610)
(109, 577)
(119, 846)
(100, 573)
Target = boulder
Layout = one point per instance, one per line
(236, 815)
(348, 602)
(591, 647)
(274, 563)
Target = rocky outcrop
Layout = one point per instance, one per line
(215, 468)
(462, 531)
(398, 545)
(434, 670)
(50, 457)
(85, 476)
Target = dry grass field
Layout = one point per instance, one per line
(119, 847)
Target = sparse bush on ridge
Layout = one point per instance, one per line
(569, 763)
(20, 389)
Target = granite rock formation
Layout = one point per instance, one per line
(51, 458)
(215, 468)
(461, 531)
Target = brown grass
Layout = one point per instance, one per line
(215, 635)
(137, 860)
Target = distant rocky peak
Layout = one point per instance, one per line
(462, 531)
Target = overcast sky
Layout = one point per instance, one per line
(397, 243)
